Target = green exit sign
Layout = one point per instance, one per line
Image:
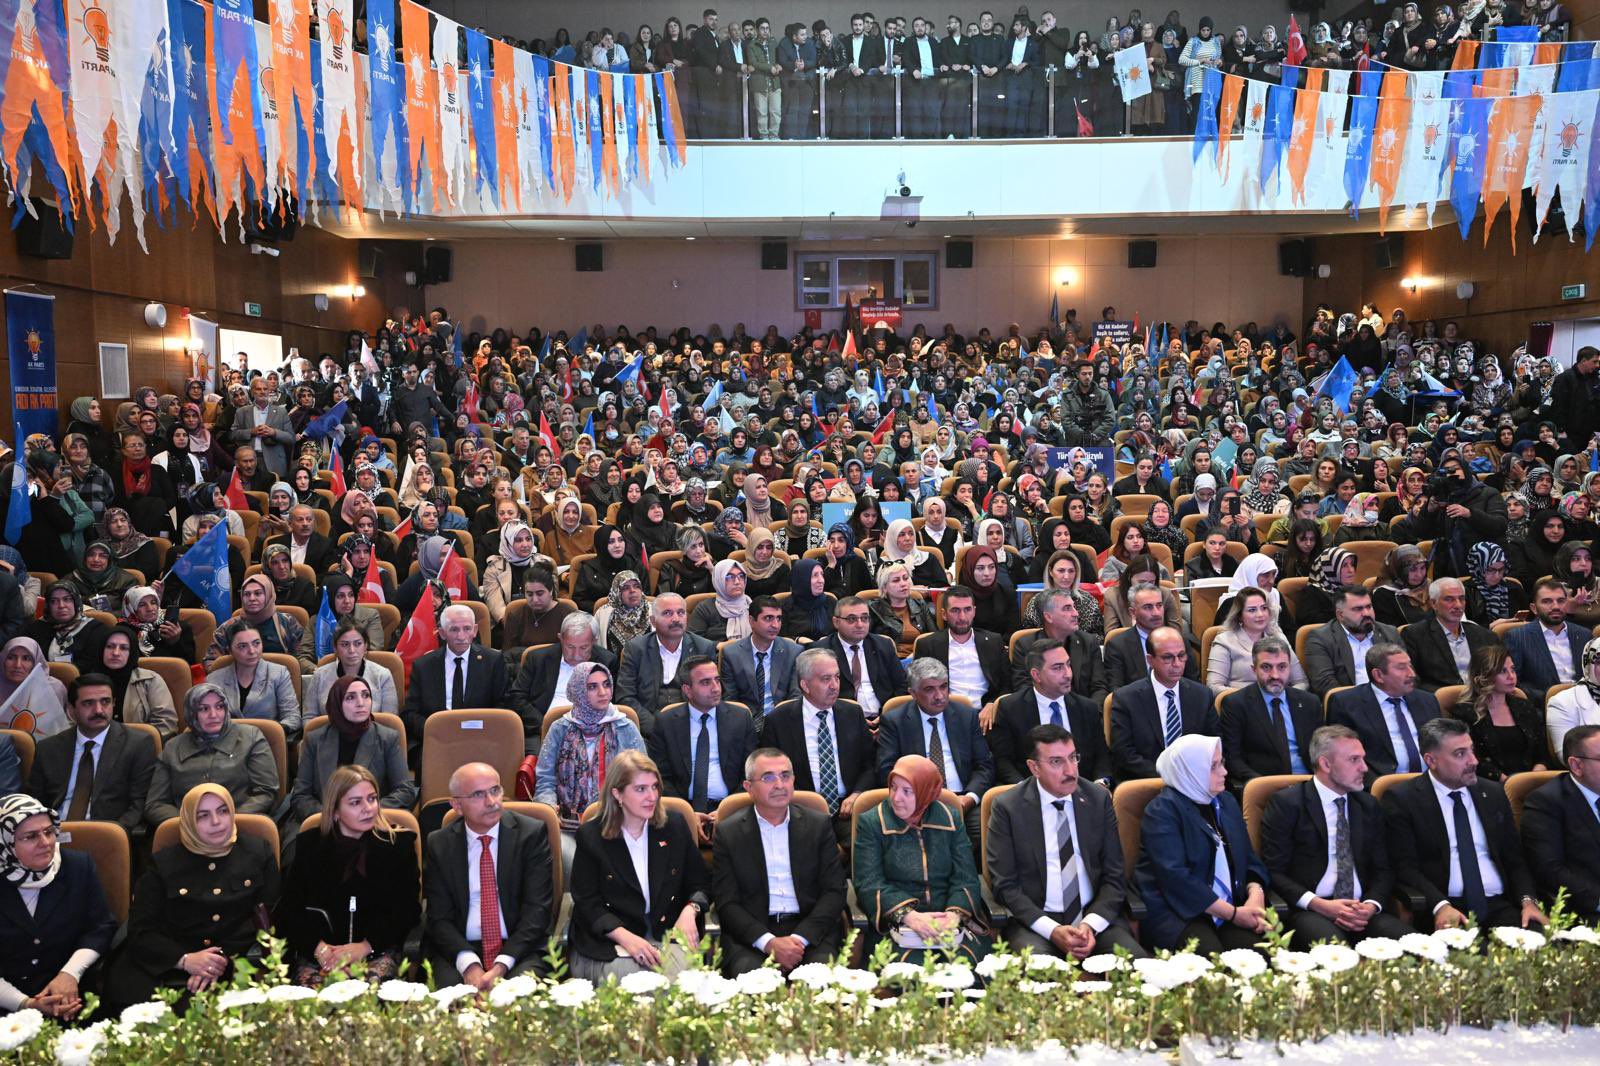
(253, 310)
(1572, 292)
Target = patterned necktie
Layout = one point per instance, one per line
(1413, 757)
(83, 786)
(935, 744)
(488, 903)
(1174, 728)
(827, 764)
(1055, 712)
(1071, 900)
(1344, 863)
(855, 666)
(702, 767)
(1472, 891)
(760, 709)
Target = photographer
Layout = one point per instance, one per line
(1088, 415)
(1456, 512)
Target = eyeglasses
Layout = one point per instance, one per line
(483, 794)
(1172, 657)
(782, 776)
(49, 832)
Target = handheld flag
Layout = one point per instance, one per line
(547, 435)
(933, 408)
(403, 530)
(588, 426)
(629, 372)
(372, 583)
(204, 568)
(421, 634)
(455, 347)
(1295, 52)
(666, 405)
(34, 707)
(324, 626)
(1132, 72)
(469, 402)
(883, 428)
(237, 501)
(713, 397)
(336, 469)
(877, 384)
(1055, 310)
(324, 424)
(580, 341)
(367, 359)
(20, 511)
(544, 350)
(1337, 383)
(849, 345)
(452, 575)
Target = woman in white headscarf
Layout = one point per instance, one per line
(900, 546)
(504, 575)
(1257, 571)
(1198, 875)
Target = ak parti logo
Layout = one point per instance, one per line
(269, 88)
(35, 343)
(97, 29)
(448, 73)
(337, 32)
(1568, 138)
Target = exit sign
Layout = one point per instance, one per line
(1572, 292)
(253, 310)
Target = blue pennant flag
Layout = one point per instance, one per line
(630, 97)
(541, 104)
(160, 113)
(814, 412)
(234, 32)
(20, 510)
(1205, 128)
(1469, 133)
(588, 427)
(387, 98)
(1275, 136)
(627, 373)
(549, 343)
(321, 182)
(1512, 46)
(670, 134)
(597, 140)
(480, 109)
(1579, 68)
(581, 338)
(877, 385)
(190, 72)
(1358, 155)
(1591, 202)
(1337, 383)
(933, 408)
(204, 568)
(324, 425)
(713, 397)
(1055, 309)
(1594, 458)
(325, 625)
(456, 355)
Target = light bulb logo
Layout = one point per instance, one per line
(269, 88)
(336, 32)
(98, 29)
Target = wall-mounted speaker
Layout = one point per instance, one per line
(1390, 251)
(1294, 259)
(43, 237)
(436, 262)
(271, 225)
(774, 255)
(369, 259)
(590, 258)
(1141, 255)
(958, 255)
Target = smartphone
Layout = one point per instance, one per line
(171, 615)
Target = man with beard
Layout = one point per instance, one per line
(1336, 652)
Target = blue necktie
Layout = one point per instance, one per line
(1472, 890)
(1174, 720)
(1055, 712)
(1413, 757)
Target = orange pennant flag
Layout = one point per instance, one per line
(1389, 139)
(1227, 113)
(1466, 56)
(422, 98)
(1505, 158)
(646, 124)
(243, 158)
(1304, 132)
(608, 131)
(505, 126)
(1497, 82)
(561, 97)
(291, 77)
(29, 85)
(1547, 55)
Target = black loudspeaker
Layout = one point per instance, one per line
(774, 255)
(1141, 255)
(269, 225)
(1294, 259)
(958, 255)
(44, 237)
(435, 265)
(590, 258)
(1390, 251)
(369, 259)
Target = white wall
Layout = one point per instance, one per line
(519, 283)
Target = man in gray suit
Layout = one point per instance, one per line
(945, 731)
(265, 427)
(762, 685)
(1336, 653)
(1054, 858)
(648, 680)
(100, 770)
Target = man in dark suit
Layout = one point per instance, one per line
(702, 113)
(1058, 613)
(700, 745)
(864, 83)
(1063, 888)
(921, 93)
(1387, 712)
(820, 732)
(1561, 825)
(735, 58)
(305, 544)
(1336, 652)
(648, 679)
(980, 672)
(1127, 654)
(869, 667)
(1343, 895)
(1151, 713)
(989, 57)
(775, 876)
(1267, 726)
(1049, 699)
(945, 731)
(1024, 77)
(100, 770)
(463, 673)
(761, 685)
(1453, 840)
(1547, 651)
(486, 841)
(955, 75)
(1442, 645)
(542, 679)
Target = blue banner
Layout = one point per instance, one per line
(1579, 69)
(1205, 128)
(1512, 46)
(1591, 206)
(480, 111)
(670, 134)
(204, 568)
(1358, 154)
(1469, 132)
(541, 98)
(160, 113)
(31, 339)
(388, 95)
(1101, 459)
(234, 27)
(189, 69)
(597, 139)
(1275, 136)
(317, 181)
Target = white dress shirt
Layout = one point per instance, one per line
(864, 694)
(1330, 816)
(966, 675)
(558, 698)
(639, 854)
(1359, 646)
(669, 661)
(1459, 650)
(781, 895)
(855, 50)
(925, 56)
(808, 719)
(1044, 703)
(930, 724)
(259, 417)
(450, 660)
(72, 780)
(1019, 49)
(1052, 903)
(1492, 883)
(1396, 719)
(1161, 707)
(474, 929)
(297, 551)
(1560, 650)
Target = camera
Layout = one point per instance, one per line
(1438, 487)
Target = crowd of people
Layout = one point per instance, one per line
(804, 602)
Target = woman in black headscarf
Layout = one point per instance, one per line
(808, 613)
(650, 527)
(614, 553)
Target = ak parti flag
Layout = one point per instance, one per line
(1389, 140)
(291, 82)
(564, 159)
(1506, 158)
(1303, 132)
(421, 634)
(1466, 56)
(506, 122)
(33, 116)
(1227, 114)
(422, 99)
(608, 133)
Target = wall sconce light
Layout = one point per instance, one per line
(155, 315)
(357, 291)
(1410, 284)
(1324, 271)
(1466, 290)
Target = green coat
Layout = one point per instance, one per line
(899, 869)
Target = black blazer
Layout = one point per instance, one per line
(991, 658)
(535, 687)
(1126, 662)
(1088, 665)
(606, 893)
(316, 894)
(426, 691)
(901, 732)
(1430, 651)
(783, 729)
(1561, 840)
(1138, 724)
(739, 876)
(878, 658)
(121, 777)
(1016, 852)
(1251, 746)
(321, 555)
(522, 876)
(672, 745)
(1018, 713)
(72, 913)
(1294, 843)
(1358, 708)
(1419, 843)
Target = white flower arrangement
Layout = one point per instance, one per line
(19, 1028)
(145, 1014)
(234, 998)
(1047, 964)
(285, 994)
(952, 977)
(645, 982)
(893, 973)
(1579, 934)
(714, 993)
(1244, 962)
(858, 982)
(402, 992)
(1521, 939)
(571, 993)
(1460, 938)
(1424, 946)
(446, 997)
(341, 992)
(1335, 958)
(1294, 963)
(76, 1047)
(815, 975)
(1104, 964)
(512, 989)
(760, 982)
(1089, 988)
(1380, 949)
(992, 966)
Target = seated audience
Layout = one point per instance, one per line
(212, 749)
(1508, 732)
(99, 770)
(350, 737)
(580, 744)
(1559, 823)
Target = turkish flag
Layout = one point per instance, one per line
(452, 575)
(421, 633)
(237, 501)
(1295, 52)
(372, 583)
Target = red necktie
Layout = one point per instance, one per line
(488, 904)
